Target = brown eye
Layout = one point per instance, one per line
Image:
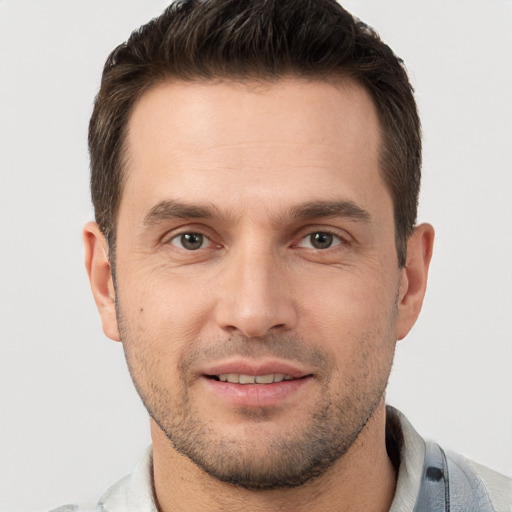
(321, 240)
(189, 241)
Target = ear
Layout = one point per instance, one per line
(98, 267)
(414, 278)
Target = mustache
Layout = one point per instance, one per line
(286, 347)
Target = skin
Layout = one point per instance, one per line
(253, 174)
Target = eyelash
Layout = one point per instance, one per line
(205, 239)
(180, 236)
(336, 236)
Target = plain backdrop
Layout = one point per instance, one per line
(70, 421)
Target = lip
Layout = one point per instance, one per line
(263, 367)
(255, 395)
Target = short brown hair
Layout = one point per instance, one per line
(256, 40)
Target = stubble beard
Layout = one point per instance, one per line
(282, 459)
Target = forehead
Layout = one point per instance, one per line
(290, 138)
(336, 111)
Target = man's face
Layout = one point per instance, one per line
(257, 277)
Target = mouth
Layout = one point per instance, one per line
(246, 371)
(247, 384)
(240, 378)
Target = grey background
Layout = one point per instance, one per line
(70, 422)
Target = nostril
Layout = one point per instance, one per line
(253, 318)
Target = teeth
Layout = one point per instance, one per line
(237, 378)
(265, 379)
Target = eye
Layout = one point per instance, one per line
(190, 241)
(320, 240)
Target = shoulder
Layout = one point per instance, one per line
(74, 508)
(430, 478)
(467, 476)
(133, 493)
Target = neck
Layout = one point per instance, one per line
(362, 480)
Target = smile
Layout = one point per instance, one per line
(240, 378)
(255, 391)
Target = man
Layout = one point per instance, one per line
(255, 175)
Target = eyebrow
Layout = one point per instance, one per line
(320, 209)
(172, 209)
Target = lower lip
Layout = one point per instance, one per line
(256, 395)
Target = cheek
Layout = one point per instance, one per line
(154, 338)
(163, 304)
(354, 318)
(346, 301)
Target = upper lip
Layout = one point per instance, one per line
(263, 367)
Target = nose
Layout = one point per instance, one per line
(255, 295)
